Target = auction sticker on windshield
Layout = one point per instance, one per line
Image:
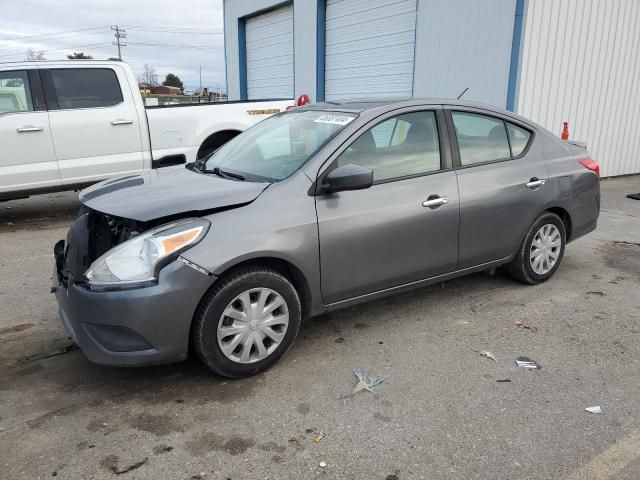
(334, 119)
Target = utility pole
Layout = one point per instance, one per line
(200, 79)
(119, 34)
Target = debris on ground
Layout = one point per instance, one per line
(504, 380)
(322, 464)
(596, 292)
(52, 353)
(488, 354)
(365, 381)
(525, 326)
(338, 340)
(112, 463)
(595, 409)
(318, 436)
(524, 362)
(634, 196)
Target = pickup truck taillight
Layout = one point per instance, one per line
(591, 164)
(300, 102)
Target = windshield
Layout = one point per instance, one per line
(278, 146)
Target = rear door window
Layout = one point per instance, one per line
(480, 138)
(15, 93)
(86, 88)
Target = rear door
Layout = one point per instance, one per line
(386, 235)
(27, 157)
(94, 122)
(502, 182)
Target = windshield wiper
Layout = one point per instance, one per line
(223, 173)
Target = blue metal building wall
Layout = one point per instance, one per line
(459, 44)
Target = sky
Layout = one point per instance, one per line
(171, 36)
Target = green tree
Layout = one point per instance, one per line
(173, 81)
(79, 56)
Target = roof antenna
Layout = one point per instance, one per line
(463, 92)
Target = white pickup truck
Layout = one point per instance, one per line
(67, 124)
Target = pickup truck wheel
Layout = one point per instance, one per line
(541, 251)
(247, 322)
(215, 141)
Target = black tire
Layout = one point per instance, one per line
(520, 267)
(205, 340)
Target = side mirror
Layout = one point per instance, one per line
(347, 177)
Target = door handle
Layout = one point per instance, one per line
(121, 122)
(30, 128)
(535, 182)
(435, 201)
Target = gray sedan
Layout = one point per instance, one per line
(311, 210)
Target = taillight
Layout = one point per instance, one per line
(300, 102)
(303, 100)
(591, 164)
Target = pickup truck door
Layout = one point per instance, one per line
(94, 122)
(27, 157)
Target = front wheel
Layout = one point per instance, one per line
(247, 322)
(541, 251)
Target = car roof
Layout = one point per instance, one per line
(375, 105)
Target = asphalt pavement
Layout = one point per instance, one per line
(443, 412)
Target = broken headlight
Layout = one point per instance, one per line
(137, 261)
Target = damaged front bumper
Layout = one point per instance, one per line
(129, 327)
(134, 327)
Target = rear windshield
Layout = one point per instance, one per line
(278, 146)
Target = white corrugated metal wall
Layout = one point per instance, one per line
(580, 63)
(369, 48)
(269, 43)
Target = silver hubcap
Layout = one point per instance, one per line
(253, 325)
(545, 249)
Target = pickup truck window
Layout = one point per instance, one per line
(86, 87)
(278, 146)
(15, 94)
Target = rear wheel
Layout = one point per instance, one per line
(247, 322)
(541, 251)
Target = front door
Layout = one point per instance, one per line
(402, 229)
(95, 125)
(27, 157)
(502, 182)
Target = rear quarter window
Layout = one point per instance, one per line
(518, 138)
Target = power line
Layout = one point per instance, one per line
(169, 45)
(93, 45)
(55, 39)
(54, 34)
(168, 29)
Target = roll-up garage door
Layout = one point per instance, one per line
(369, 48)
(269, 47)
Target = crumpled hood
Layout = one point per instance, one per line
(167, 191)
